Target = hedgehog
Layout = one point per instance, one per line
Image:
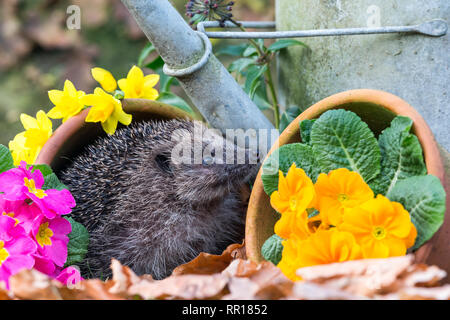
(152, 208)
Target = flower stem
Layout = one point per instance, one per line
(263, 56)
(276, 110)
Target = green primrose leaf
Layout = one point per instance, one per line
(78, 243)
(176, 101)
(272, 249)
(43, 168)
(149, 48)
(6, 159)
(284, 43)
(52, 182)
(282, 159)
(340, 139)
(305, 130)
(401, 156)
(424, 198)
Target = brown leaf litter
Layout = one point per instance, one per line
(230, 276)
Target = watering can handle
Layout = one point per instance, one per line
(433, 28)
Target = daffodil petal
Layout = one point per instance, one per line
(151, 80)
(122, 84)
(43, 121)
(28, 122)
(110, 126)
(150, 93)
(55, 113)
(55, 96)
(105, 78)
(70, 88)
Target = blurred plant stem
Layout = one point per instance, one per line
(265, 58)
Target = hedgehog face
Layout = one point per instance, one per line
(204, 168)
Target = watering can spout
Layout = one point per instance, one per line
(187, 55)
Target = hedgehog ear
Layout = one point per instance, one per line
(164, 163)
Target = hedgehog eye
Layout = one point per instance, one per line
(208, 160)
(163, 163)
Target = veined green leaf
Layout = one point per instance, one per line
(401, 156)
(43, 168)
(305, 130)
(6, 159)
(272, 249)
(282, 159)
(424, 198)
(284, 43)
(78, 243)
(340, 139)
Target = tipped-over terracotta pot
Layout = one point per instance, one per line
(377, 109)
(73, 135)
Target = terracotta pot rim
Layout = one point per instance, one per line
(380, 98)
(76, 123)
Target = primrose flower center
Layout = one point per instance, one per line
(293, 203)
(31, 185)
(44, 235)
(11, 214)
(342, 197)
(4, 254)
(379, 233)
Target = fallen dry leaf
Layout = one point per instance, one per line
(182, 287)
(33, 285)
(231, 277)
(123, 278)
(206, 263)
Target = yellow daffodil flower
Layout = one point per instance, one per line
(322, 247)
(27, 145)
(19, 152)
(138, 86)
(105, 78)
(67, 102)
(105, 109)
(37, 130)
(341, 189)
(383, 228)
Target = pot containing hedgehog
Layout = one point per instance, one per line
(154, 194)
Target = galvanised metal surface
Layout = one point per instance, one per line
(412, 66)
(211, 88)
(433, 28)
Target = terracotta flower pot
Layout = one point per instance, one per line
(73, 135)
(377, 109)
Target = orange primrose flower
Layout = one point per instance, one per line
(383, 228)
(341, 189)
(322, 247)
